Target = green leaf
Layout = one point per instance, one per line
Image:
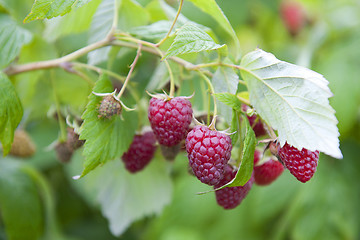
(157, 30)
(182, 20)
(210, 7)
(190, 39)
(100, 27)
(106, 139)
(20, 205)
(124, 197)
(234, 127)
(12, 38)
(225, 80)
(129, 9)
(11, 112)
(42, 9)
(247, 145)
(230, 100)
(76, 21)
(293, 100)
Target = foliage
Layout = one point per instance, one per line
(57, 57)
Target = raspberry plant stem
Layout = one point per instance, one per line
(51, 226)
(132, 66)
(212, 91)
(63, 133)
(172, 26)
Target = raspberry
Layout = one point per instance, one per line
(22, 146)
(63, 152)
(293, 16)
(73, 139)
(302, 164)
(140, 152)
(208, 152)
(268, 172)
(255, 122)
(231, 197)
(170, 119)
(109, 107)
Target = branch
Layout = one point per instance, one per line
(16, 69)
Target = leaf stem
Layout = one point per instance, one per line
(172, 26)
(51, 226)
(132, 66)
(99, 70)
(63, 133)
(212, 91)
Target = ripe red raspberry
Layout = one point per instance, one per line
(140, 152)
(302, 164)
(231, 197)
(208, 153)
(293, 16)
(170, 119)
(256, 124)
(268, 172)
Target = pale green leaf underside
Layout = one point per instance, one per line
(190, 39)
(124, 197)
(210, 7)
(293, 100)
(157, 30)
(106, 139)
(43, 9)
(11, 112)
(99, 28)
(12, 38)
(225, 80)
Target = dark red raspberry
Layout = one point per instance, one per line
(302, 164)
(255, 123)
(170, 119)
(208, 153)
(231, 197)
(268, 172)
(140, 152)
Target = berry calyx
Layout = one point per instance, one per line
(255, 122)
(231, 197)
(301, 163)
(208, 153)
(267, 172)
(140, 152)
(170, 119)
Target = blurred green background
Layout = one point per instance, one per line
(327, 207)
